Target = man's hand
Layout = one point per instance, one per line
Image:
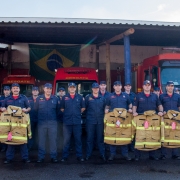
(130, 110)
(135, 114)
(164, 112)
(3, 109)
(160, 113)
(106, 111)
(24, 110)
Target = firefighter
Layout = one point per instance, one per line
(72, 105)
(47, 107)
(61, 92)
(16, 99)
(95, 105)
(118, 99)
(145, 101)
(127, 88)
(33, 116)
(102, 89)
(156, 91)
(170, 101)
(176, 90)
(103, 92)
(6, 91)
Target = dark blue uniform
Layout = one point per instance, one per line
(95, 122)
(34, 120)
(132, 98)
(170, 103)
(1, 100)
(4, 146)
(105, 95)
(72, 122)
(22, 102)
(60, 113)
(118, 101)
(47, 110)
(144, 103)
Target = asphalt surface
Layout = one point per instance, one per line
(93, 169)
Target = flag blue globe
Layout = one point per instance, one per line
(54, 62)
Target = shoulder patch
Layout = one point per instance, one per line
(90, 98)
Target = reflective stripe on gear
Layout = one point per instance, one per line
(148, 143)
(119, 139)
(121, 125)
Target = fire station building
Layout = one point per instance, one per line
(110, 46)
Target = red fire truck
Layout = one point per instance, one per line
(26, 82)
(83, 77)
(158, 69)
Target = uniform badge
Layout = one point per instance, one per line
(118, 123)
(66, 98)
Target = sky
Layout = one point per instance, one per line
(149, 10)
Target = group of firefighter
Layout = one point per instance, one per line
(47, 110)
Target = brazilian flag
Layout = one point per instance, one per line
(44, 59)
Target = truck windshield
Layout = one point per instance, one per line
(170, 74)
(83, 87)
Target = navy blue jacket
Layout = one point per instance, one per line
(60, 113)
(47, 110)
(118, 101)
(21, 101)
(2, 99)
(95, 109)
(170, 103)
(32, 113)
(132, 97)
(72, 109)
(144, 103)
(106, 95)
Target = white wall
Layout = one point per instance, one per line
(20, 57)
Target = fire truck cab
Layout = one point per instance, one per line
(83, 77)
(26, 83)
(159, 69)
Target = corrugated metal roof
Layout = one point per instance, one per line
(84, 21)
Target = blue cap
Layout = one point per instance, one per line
(15, 85)
(156, 89)
(176, 89)
(6, 88)
(102, 82)
(170, 82)
(127, 83)
(146, 82)
(48, 85)
(35, 88)
(95, 85)
(71, 84)
(61, 89)
(117, 83)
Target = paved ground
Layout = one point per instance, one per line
(93, 169)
